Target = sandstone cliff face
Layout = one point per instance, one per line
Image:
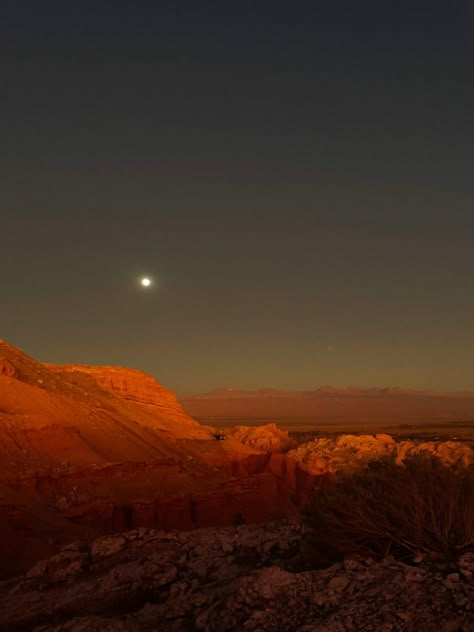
(88, 450)
(128, 384)
(40, 513)
(51, 415)
(7, 369)
(249, 490)
(138, 394)
(351, 452)
(250, 579)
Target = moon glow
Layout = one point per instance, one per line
(145, 282)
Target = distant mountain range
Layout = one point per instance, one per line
(332, 404)
(326, 391)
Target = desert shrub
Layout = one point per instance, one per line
(420, 508)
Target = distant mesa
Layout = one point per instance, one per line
(330, 404)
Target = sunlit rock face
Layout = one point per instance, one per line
(51, 415)
(88, 450)
(7, 369)
(267, 438)
(449, 452)
(351, 452)
(128, 384)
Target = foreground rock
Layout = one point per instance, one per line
(241, 578)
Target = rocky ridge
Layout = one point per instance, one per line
(91, 450)
(266, 438)
(252, 578)
(351, 452)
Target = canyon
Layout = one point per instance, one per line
(91, 450)
(119, 510)
(86, 451)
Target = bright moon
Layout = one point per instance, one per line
(146, 282)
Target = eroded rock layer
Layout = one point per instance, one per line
(90, 450)
(350, 452)
(266, 438)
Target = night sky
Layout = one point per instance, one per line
(297, 178)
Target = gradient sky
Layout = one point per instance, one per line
(298, 177)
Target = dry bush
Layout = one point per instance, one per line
(421, 508)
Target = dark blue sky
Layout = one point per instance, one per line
(298, 177)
